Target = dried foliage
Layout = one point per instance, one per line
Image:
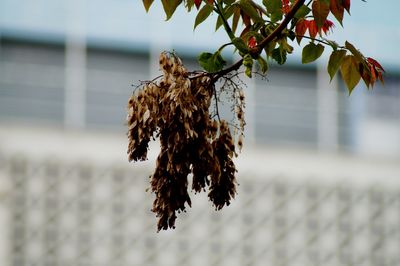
(176, 108)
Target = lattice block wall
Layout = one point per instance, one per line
(89, 215)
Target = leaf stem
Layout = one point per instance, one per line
(224, 21)
(225, 45)
(319, 40)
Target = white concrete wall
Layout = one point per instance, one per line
(281, 193)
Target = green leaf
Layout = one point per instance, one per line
(263, 64)
(335, 60)
(240, 45)
(203, 14)
(219, 62)
(248, 60)
(272, 5)
(170, 7)
(285, 46)
(219, 23)
(337, 10)
(276, 16)
(292, 35)
(320, 10)
(350, 73)
(211, 62)
(311, 52)
(235, 19)
(248, 64)
(279, 55)
(354, 51)
(229, 2)
(250, 10)
(332, 44)
(189, 5)
(228, 12)
(248, 71)
(302, 12)
(274, 8)
(147, 4)
(269, 48)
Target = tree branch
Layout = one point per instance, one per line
(227, 70)
(280, 28)
(257, 50)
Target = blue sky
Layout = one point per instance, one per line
(374, 26)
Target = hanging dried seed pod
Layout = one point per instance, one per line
(223, 184)
(176, 109)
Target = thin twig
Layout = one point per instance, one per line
(216, 102)
(319, 40)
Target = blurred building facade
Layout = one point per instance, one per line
(328, 192)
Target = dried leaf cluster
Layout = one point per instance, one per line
(194, 141)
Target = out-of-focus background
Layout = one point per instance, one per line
(319, 175)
